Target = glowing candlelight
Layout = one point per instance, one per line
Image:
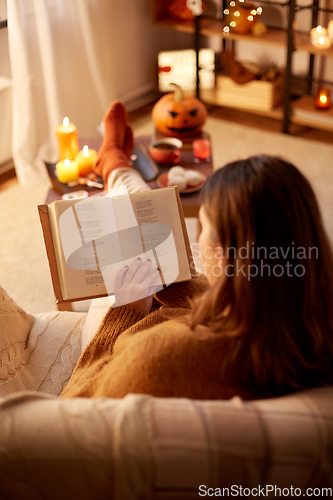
(86, 159)
(323, 98)
(201, 150)
(67, 171)
(320, 38)
(67, 139)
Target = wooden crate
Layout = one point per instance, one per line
(256, 95)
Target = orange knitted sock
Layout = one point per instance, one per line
(118, 141)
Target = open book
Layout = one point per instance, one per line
(89, 241)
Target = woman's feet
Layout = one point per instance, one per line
(117, 144)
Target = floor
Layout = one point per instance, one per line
(8, 179)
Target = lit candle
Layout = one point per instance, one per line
(67, 171)
(319, 37)
(201, 150)
(317, 33)
(323, 98)
(324, 42)
(86, 159)
(67, 139)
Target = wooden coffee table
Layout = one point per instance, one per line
(190, 201)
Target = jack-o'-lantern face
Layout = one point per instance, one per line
(178, 116)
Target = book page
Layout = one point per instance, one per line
(130, 235)
(82, 228)
(161, 231)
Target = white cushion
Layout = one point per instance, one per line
(37, 352)
(97, 310)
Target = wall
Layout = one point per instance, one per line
(137, 42)
(4, 53)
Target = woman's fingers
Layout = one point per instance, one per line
(120, 277)
(134, 284)
(138, 271)
(132, 270)
(149, 280)
(141, 273)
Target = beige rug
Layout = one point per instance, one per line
(24, 270)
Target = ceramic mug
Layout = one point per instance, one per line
(166, 150)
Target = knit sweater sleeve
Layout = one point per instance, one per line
(100, 349)
(180, 294)
(123, 322)
(147, 362)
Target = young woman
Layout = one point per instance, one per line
(259, 325)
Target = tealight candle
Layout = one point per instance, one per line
(86, 159)
(323, 98)
(317, 33)
(67, 171)
(67, 139)
(201, 150)
(319, 37)
(324, 42)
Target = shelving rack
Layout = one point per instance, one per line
(287, 37)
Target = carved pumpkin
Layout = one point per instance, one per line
(178, 116)
(240, 17)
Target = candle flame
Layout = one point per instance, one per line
(67, 163)
(321, 40)
(85, 151)
(318, 29)
(65, 121)
(323, 99)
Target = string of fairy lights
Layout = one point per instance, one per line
(237, 13)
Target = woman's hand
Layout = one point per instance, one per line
(135, 286)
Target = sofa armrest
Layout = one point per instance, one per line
(43, 361)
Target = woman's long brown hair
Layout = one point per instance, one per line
(278, 326)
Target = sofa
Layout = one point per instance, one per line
(142, 447)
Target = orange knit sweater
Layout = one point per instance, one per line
(153, 355)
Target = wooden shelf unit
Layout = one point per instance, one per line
(214, 27)
(276, 37)
(317, 118)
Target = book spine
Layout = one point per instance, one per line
(54, 217)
